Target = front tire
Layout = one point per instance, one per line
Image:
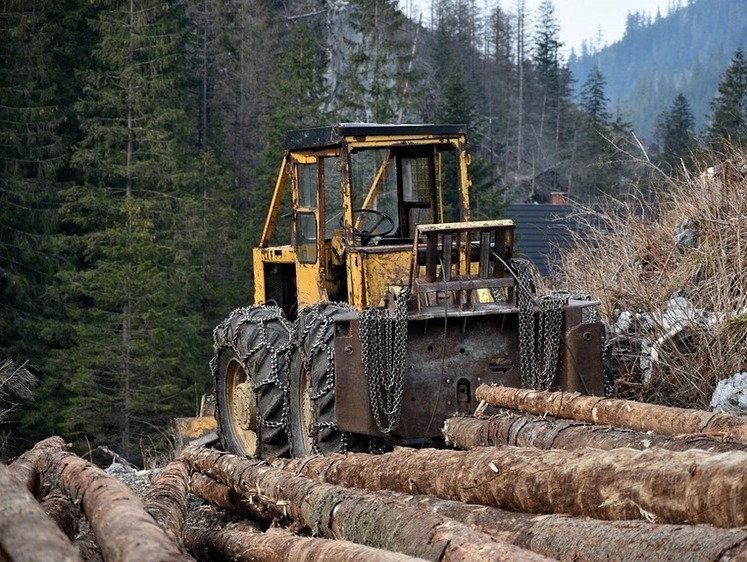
(312, 385)
(252, 348)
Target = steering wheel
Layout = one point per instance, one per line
(370, 233)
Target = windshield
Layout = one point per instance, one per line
(406, 184)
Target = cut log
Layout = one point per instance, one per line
(216, 493)
(354, 515)
(547, 433)
(124, 530)
(63, 511)
(23, 468)
(166, 500)
(26, 532)
(88, 547)
(592, 540)
(240, 541)
(638, 416)
(665, 486)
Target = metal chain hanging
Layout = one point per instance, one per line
(539, 341)
(383, 336)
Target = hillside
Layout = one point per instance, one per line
(685, 51)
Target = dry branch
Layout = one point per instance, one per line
(124, 530)
(241, 541)
(354, 515)
(23, 468)
(638, 416)
(592, 540)
(669, 487)
(26, 532)
(526, 430)
(166, 500)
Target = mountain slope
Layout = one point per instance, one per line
(685, 52)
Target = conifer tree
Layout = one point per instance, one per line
(675, 133)
(728, 126)
(134, 225)
(32, 154)
(376, 82)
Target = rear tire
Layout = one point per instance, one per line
(312, 386)
(252, 349)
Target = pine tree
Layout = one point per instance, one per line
(133, 221)
(728, 126)
(675, 133)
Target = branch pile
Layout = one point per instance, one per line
(670, 271)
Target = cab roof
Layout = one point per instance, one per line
(320, 137)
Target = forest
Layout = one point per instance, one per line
(141, 141)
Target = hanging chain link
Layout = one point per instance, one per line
(383, 336)
(540, 339)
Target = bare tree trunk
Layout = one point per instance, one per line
(354, 515)
(241, 541)
(638, 416)
(23, 469)
(548, 433)
(592, 540)
(668, 487)
(166, 500)
(124, 530)
(26, 532)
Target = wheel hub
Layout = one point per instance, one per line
(245, 406)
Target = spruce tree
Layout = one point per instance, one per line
(676, 136)
(133, 224)
(728, 123)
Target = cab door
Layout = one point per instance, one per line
(308, 237)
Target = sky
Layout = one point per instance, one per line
(580, 20)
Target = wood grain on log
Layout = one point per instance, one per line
(26, 532)
(668, 487)
(526, 430)
(354, 515)
(639, 416)
(124, 530)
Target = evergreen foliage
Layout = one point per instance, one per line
(675, 132)
(728, 125)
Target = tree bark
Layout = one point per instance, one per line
(216, 493)
(57, 505)
(592, 540)
(665, 486)
(354, 515)
(23, 469)
(548, 433)
(166, 500)
(241, 541)
(638, 416)
(124, 530)
(26, 532)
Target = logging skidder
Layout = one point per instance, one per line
(386, 306)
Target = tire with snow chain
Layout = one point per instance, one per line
(311, 386)
(250, 367)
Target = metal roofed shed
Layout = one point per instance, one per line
(542, 232)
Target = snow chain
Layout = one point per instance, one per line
(539, 341)
(383, 336)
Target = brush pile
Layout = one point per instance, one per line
(671, 273)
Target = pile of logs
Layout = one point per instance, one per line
(554, 475)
